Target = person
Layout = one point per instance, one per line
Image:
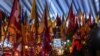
(93, 41)
(76, 45)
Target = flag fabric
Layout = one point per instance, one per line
(14, 16)
(25, 27)
(36, 25)
(97, 20)
(25, 30)
(23, 16)
(89, 20)
(46, 37)
(63, 27)
(33, 11)
(49, 20)
(63, 22)
(71, 17)
(58, 21)
(14, 22)
(81, 18)
(0, 14)
(34, 17)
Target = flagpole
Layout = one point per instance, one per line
(5, 33)
(1, 30)
(0, 24)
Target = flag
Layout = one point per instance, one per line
(23, 16)
(0, 14)
(33, 11)
(36, 27)
(89, 22)
(63, 22)
(14, 16)
(25, 27)
(58, 21)
(70, 13)
(46, 38)
(50, 26)
(71, 17)
(49, 20)
(81, 18)
(63, 26)
(34, 15)
(14, 22)
(25, 30)
(97, 20)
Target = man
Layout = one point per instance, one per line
(94, 40)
